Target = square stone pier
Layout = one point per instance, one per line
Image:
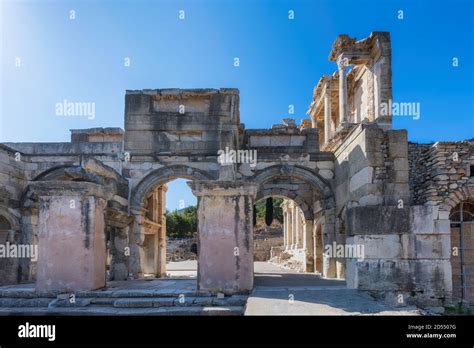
(71, 238)
(225, 229)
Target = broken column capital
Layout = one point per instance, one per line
(342, 62)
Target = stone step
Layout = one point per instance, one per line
(125, 302)
(22, 302)
(98, 310)
(30, 293)
(181, 302)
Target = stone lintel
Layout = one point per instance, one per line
(67, 188)
(190, 92)
(223, 188)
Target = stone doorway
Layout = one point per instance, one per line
(181, 231)
(161, 240)
(268, 236)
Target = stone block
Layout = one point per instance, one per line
(400, 164)
(442, 226)
(364, 176)
(443, 215)
(379, 246)
(422, 218)
(370, 199)
(401, 275)
(280, 140)
(433, 246)
(259, 141)
(378, 220)
(326, 174)
(325, 165)
(297, 140)
(400, 176)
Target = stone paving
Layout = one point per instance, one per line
(182, 269)
(284, 292)
(132, 297)
(277, 291)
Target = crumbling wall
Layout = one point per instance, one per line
(265, 238)
(181, 249)
(438, 169)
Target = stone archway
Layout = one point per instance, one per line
(287, 194)
(296, 172)
(147, 236)
(161, 176)
(454, 198)
(55, 173)
(313, 195)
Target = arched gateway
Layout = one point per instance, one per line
(349, 181)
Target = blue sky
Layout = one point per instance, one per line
(280, 59)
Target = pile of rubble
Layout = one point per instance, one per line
(181, 249)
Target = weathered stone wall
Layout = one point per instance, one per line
(94, 155)
(372, 168)
(407, 248)
(406, 254)
(181, 122)
(12, 182)
(282, 140)
(438, 169)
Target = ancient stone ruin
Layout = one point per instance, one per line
(350, 182)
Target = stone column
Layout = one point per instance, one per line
(309, 245)
(225, 230)
(119, 262)
(290, 225)
(341, 65)
(301, 240)
(71, 238)
(295, 227)
(285, 224)
(327, 111)
(161, 235)
(329, 262)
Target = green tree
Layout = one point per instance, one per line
(277, 211)
(254, 215)
(269, 211)
(181, 224)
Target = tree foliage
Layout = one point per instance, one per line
(260, 208)
(182, 223)
(269, 211)
(254, 215)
